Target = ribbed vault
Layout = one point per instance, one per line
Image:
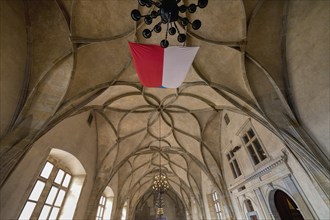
(78, 61)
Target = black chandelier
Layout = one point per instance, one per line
(168, 10)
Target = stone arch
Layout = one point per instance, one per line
(271, 201)
(68, 160)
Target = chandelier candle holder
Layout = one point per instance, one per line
(160, 183)
(169, 13)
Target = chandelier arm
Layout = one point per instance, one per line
(156, 26)
(176, 27)
(184, 19)
(167, 25)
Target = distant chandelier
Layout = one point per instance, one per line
(160, 183)
(168, 10)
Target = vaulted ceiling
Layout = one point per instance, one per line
(79, 61)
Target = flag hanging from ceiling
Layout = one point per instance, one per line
(162, 67)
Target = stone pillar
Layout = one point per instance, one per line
(298, 199)
(240, 208)
(263, 204)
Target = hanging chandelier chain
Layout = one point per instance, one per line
(160, 134)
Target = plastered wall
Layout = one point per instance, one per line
(308, 57)
(64, 136)
(13, 43)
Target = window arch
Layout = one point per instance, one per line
(124, 212)
(250, 212)
(217, 207)
(105, 204)
(57, 188)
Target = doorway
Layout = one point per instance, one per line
(286, 207)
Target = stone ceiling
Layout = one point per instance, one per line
(80, 61)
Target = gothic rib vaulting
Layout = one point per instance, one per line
(246, 136)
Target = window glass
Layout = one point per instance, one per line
(217, 207)
(246, 139)
(237, 169)
(37, 190)
(44, 213)
(47, 170)
(60, 198)
(254, 146)
(233, 169)
(48, 185)
(233, 164)
(253, 154)
(59, 176)
(54, 213)
(250, 133)
(27, 211)
(259, 149)
(101, 208)
(51, 196)
(66, 180)
(249, 205)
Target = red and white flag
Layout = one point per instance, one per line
(162, 67)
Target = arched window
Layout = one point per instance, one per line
(251, 213)
(124, 212)
(105, 205)
(216, 201)
(56, 190)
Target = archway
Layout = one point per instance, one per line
(174, 208)
(286, 207)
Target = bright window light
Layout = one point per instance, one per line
(44, 212)
(37, 190)
(60, 198)
(59, 176)
(66, 180)
(47, 170)
(54, 213)
(27, 211)
(51, 195)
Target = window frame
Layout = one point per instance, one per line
(251, 147)
(234, 167)
(101, 207)
(243, 131)
(250, 213)
(49, 183)
(216, 205)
